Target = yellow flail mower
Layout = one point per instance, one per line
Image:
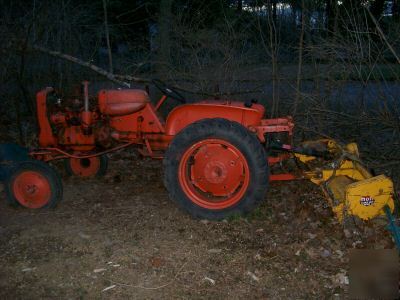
(351, 189)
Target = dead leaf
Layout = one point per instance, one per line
(157, 262)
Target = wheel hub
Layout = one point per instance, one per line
(217, 169)
(85, 167)
(31, 189)
(214, 173)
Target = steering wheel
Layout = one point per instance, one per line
(168, 91)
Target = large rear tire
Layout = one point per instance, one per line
(34, 184)
(215, 168)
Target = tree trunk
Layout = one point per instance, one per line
(107, 32)
(300, 62)
(395, 9)
(164, 23)
(273, 44)
(239, 6)
(330, 12)
(274, 11)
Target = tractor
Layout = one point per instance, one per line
(213, 150)
(218, 155)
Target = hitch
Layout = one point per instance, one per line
(306, 151)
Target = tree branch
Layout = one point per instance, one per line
(124, 80)
(383, 36)
(119, 79)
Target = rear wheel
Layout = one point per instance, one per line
(34, 184)
(87, 167)
(215, 168)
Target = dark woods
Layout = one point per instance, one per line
(332, 64)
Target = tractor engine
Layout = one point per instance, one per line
(71, 123)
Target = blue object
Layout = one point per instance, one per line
(10, 156)
(392, 227)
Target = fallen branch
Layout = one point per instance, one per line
(119, 79)
(124, 80)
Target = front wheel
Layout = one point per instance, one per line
(34, 184)
(215, 168)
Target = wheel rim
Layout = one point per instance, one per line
(85, 167)
(214, 174)
(31, 189)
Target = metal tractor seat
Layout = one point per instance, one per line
(122, 102)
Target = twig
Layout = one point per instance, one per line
(152, 288)
(121, 207)
(389, 164)
(383, 36)
(315, 131)
(328, 111)
(217, 94)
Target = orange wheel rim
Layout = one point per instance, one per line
(214, 174)
(85, 167)
(31, 189)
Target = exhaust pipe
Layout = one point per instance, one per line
(86, 115)
(85, 95)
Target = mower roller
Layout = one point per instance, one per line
(219, 155)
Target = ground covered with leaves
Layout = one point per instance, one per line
(120, 237)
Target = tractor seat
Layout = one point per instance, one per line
(122, 102)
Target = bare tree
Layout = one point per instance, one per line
(107, 34)
(164, 23)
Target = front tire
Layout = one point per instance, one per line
(215, 168)
(34, 184)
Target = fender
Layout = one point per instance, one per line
(187, 114)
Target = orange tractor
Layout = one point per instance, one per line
(219, 155)
(214, 151)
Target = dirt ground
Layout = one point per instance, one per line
(120, 237)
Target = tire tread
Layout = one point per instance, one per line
(208, 128)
